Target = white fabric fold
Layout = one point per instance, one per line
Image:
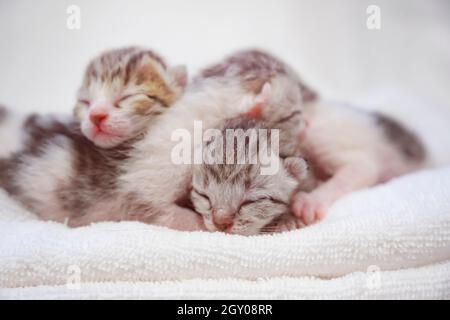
(401, 226)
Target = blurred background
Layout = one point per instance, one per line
(328, 42)
(404, 63)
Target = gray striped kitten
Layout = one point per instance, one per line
(235, 197)
(67, 167)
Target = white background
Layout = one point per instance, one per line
(41, 61)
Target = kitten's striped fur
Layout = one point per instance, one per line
(237, 198)
(284, 101)
(255, 68)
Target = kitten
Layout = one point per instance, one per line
(234, 197)
(348, 149)
(59, 174)
(122, 92)
(351, 149)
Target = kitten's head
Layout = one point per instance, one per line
(237, 198)
(280, 93)
(122, 91)
(279, 103)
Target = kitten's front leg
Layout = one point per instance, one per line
(313, 206)
(179, 218)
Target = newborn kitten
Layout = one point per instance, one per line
(351, 149)
(235, 197)
(354, 148)
(122, 92)
(61, 175)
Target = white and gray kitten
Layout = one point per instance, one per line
(235, 197)
(59, 174)
(122, 92)
(350, 149)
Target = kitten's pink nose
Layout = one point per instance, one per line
(223, 223)
(98, 117)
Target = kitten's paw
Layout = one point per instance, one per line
(309, 207)
(286, 223)
(290, 223)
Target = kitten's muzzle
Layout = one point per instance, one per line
(98, 118)
(222, 220)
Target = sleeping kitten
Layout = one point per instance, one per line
(350, 149)
(122, 92)
(235, 197)
(347, 149)
(61, 175)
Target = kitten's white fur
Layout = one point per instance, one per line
(348, 145)
(11, 133)
(45, 172)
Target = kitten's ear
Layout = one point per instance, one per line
(265, 93)
(179, 75)
(297, 167)
(263, 96)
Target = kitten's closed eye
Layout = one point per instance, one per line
(85, 102)
(271, 199)
(290, 117)
(202, 197)
(137, 97)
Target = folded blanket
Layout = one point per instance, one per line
(400, 230)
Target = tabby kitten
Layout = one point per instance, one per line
(122, 92)
(59, 174)
(235, 197)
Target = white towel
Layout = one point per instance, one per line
(431, 282)
(399, 230)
